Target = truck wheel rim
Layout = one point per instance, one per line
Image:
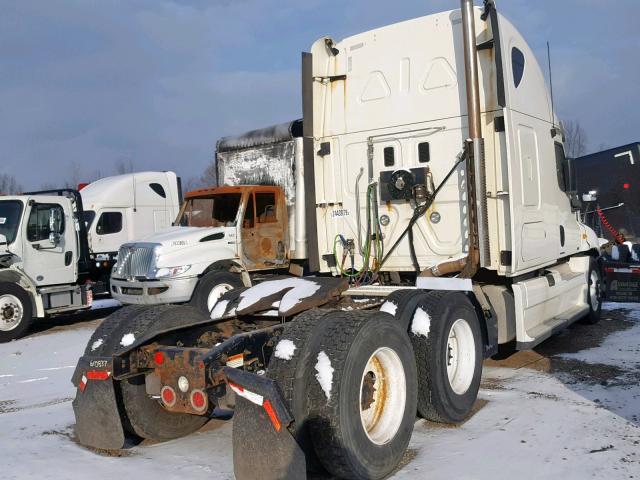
(11, 312)
(383, 396)
(460, 356)
(215, 294)
(594, 291)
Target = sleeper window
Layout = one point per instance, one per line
(389, 157)
(517, 64)
(156, 187)
(424, 153)
(109, 222)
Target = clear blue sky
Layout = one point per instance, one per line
(92, 83)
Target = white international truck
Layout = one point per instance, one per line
(439, 226)
(56, 246)
(223, 235)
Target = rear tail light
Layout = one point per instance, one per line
(158, 357)
(97, 375)
(199, 400)
(168, 396)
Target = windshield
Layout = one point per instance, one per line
(10, 212)
(215, 211)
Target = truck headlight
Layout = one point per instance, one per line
(167, 272)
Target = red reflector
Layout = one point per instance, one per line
(198, 400)
(609, 270)
(168, 396)
(626, 186)
(98, 375)
(158, 357)
(272, 415)
(233, 385)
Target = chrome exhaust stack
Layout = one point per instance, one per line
(479, 252)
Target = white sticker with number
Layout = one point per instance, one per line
(340, 213)
(3, 220)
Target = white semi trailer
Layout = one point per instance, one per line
(55, 254)
(439, 227)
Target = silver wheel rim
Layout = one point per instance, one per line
(215, 294)
(594, 291)
(383, 396)
(460, 356)
(11, 312)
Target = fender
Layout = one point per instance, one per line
(13, 275)
(230, 265)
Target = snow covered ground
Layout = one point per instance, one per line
(571, 410)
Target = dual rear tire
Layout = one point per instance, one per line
(142, 416)
(356, 379)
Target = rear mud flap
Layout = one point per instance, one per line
(98, 422)
(263, 448)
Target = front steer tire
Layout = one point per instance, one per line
(350, 440)
(14, 303)
(211, 286)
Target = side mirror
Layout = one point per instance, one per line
(54, 238)
(55, 221)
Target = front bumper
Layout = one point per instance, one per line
(154, 292)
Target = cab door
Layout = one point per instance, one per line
(264, 227)
(50, 253)
(109, 230)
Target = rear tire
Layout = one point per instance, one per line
(211, 287)
(292, 374)
(145, 417)
(447, 341)
(16, 312)
(594, 293)
(357, 431)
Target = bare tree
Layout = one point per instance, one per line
(209, 177)
(9, 185)
(124, 165)
(575, 142)
(75, 175)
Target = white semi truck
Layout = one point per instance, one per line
(225, 234)
(53, 251)
(439, 226)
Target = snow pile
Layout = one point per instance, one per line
(421, 323)
(127, 339)
(620, 349)
(285, 349)
(389, 307)
(300, 288)
(95, 345)
(105, 303)
(325, 374)
(219, 309)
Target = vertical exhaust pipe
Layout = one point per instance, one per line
(474, 147)
(479, 252)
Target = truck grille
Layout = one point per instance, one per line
(134, 261)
